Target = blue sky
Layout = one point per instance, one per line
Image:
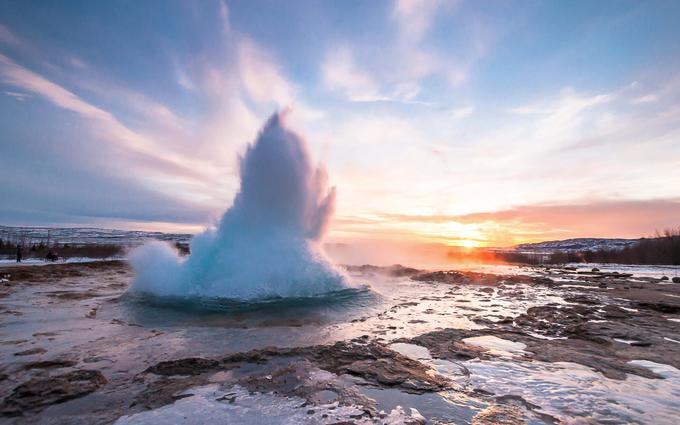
(492, 122)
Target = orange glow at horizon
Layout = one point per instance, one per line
(526, 224)
(523, 224)
(468, 243)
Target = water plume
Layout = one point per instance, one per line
(268, 244)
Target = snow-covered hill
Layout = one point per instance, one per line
(85, 236)
(578, 244)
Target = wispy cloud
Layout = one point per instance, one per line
(562, 119)
(152, 113)
(414, 17)
(396, 75)
(9, 38)
(18, 96)
(648, 98)
(667, 89)
(78, 63)
(340, 73)
(568, 104)
(261, 76)
(21, 77)
(224, 17)
(596, 218)
(531, 110)
(104, 123)
(462, 112)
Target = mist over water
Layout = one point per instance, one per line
(268, 244)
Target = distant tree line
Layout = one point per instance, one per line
(44, 249)
(40, 249)
(663, 248)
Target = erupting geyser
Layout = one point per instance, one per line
(268, 244)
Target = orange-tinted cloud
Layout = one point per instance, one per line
(627, 219)
(598, 219)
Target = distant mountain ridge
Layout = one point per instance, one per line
(577, 244)
(100, 236)
(86, 235)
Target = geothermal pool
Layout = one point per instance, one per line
(532, 346)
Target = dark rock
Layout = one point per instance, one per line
(396, 270)
(378, 364)
(581, 299)
(40, 392)
(529, 280)
(676, 280)
(50, 364)
(552, 320)
(188, 366)
(499, 415)
(447, 344)
(260, 356)
(73, 296)
(161, 392)
(449, 277)
(31, 351)
(660, 306)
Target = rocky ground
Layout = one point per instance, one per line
(543, 345)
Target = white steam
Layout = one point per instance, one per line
(267, 244)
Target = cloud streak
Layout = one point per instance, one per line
(632, 219)
(105, 124)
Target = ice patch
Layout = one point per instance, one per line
(659, 368)
(568, 390)
(495, 345)
(236, 405)
(626, 341)
(413, 351)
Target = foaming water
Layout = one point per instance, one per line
(341, 299)
(172, 312)
(267, 245)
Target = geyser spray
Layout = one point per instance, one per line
(268, 244)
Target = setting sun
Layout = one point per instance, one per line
(468, 243)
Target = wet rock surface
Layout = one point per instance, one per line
(189, 366)
(601, 330)
(40, 392)
(377, 364)
(372, 362)
(311, 373)
(31, 351)
(100, 357)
